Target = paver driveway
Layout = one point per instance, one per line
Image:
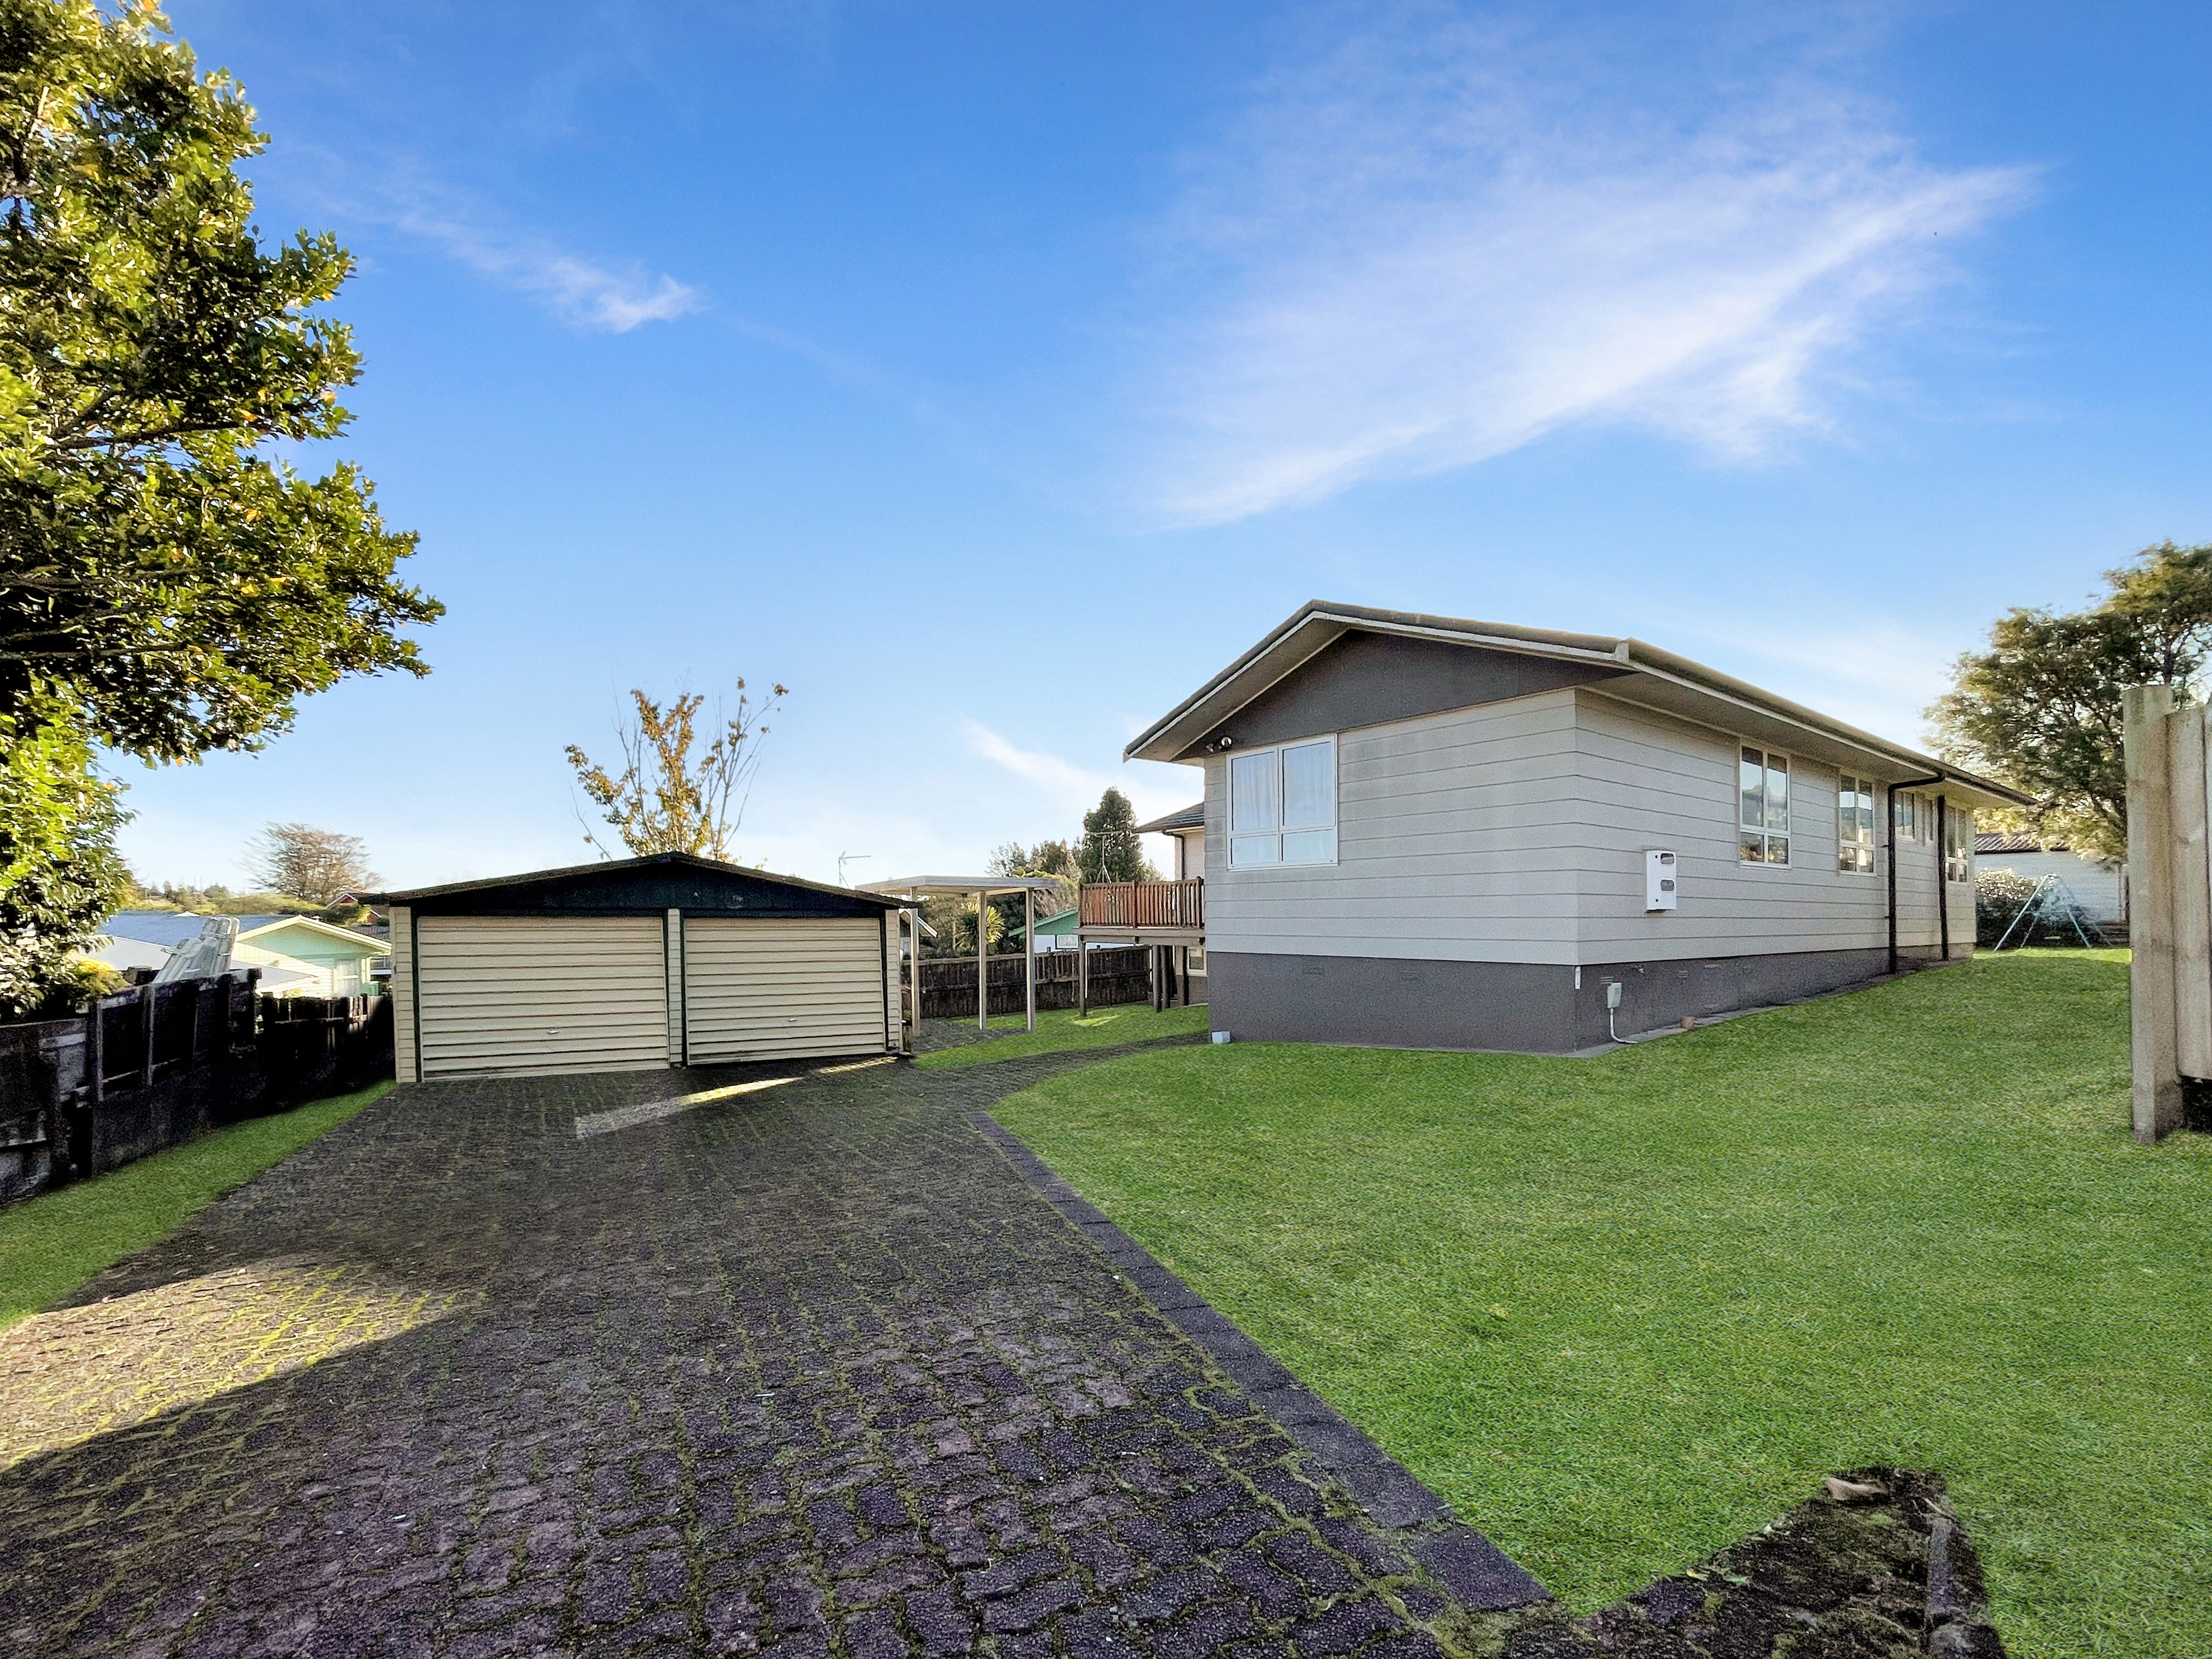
(806, 1370)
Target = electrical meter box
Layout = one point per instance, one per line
(1659, 872)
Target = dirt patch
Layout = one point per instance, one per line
(1875, 1567)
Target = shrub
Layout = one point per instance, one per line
(1999, 898)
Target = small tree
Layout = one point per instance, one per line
(60, 876)
(668, 800)
(1111, 849)
(2041, 709)
(321, 866)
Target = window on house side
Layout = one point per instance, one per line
(1958, 845)
(1763, 810)
(1855, 825)
(1282, 804)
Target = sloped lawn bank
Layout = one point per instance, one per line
(1622, 1311)
(50, 1244)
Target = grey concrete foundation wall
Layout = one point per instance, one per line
(1521, 1007)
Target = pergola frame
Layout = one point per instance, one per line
(984, 890)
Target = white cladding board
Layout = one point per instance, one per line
(530, 995)
(772, 990)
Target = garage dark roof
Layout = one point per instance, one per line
(1999, 842)
(1191, 817)
(662, 882)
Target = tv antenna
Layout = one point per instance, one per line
(844, 859)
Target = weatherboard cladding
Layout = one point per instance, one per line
(1513, 831)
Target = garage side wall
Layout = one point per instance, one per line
(402, 993)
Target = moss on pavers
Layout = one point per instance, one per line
(806, 1368)
(50, 1244)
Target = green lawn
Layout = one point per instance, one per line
(51, 1244)
(1620, 1311)
(1059, 1028)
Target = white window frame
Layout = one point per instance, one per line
(1958, 853)
(1768, 835)
(1857, 844)
(1243, 851)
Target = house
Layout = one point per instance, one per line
(1187, 829)
(1054, 933)
(639, 964)
(297, 955)
(1186, 959)
(2099, 889)
(1427, 832)
(342, 962)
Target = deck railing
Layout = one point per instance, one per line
(1179, 904)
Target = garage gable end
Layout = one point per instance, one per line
(672, 881)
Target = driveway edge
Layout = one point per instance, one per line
(1478, 1574)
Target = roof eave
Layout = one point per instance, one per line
(1167, 738)
(688, 861)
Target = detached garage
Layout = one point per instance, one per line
(638, 965)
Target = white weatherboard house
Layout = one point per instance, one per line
(1432, 832)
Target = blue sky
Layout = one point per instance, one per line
(991, 374)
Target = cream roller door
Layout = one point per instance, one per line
(530, 995)
(775, 990)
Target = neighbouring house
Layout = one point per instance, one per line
(2100, 889)
(344, 961)
(1427, 832)
(638, 964)
(1187, 829)
(1054, 933)
(297, 955)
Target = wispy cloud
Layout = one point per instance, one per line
(1440, 239)
(1070, 787)
(582, 292)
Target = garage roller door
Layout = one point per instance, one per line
(772, 990)
(530, 995)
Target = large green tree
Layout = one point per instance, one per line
(169, 582)
(1111, 849)
(2041, 709)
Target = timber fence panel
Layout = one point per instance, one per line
(152, 1067)
(1117, 976)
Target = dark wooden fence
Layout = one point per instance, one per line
(948, 983)
(149, 1068)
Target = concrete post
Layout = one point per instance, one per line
(2192, 896)
(982, 961)
(2156, 1095)
(1029, 940)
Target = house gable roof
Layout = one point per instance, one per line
(1190, 817)
(1626, 669)
(656, 883)
(264, 932)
